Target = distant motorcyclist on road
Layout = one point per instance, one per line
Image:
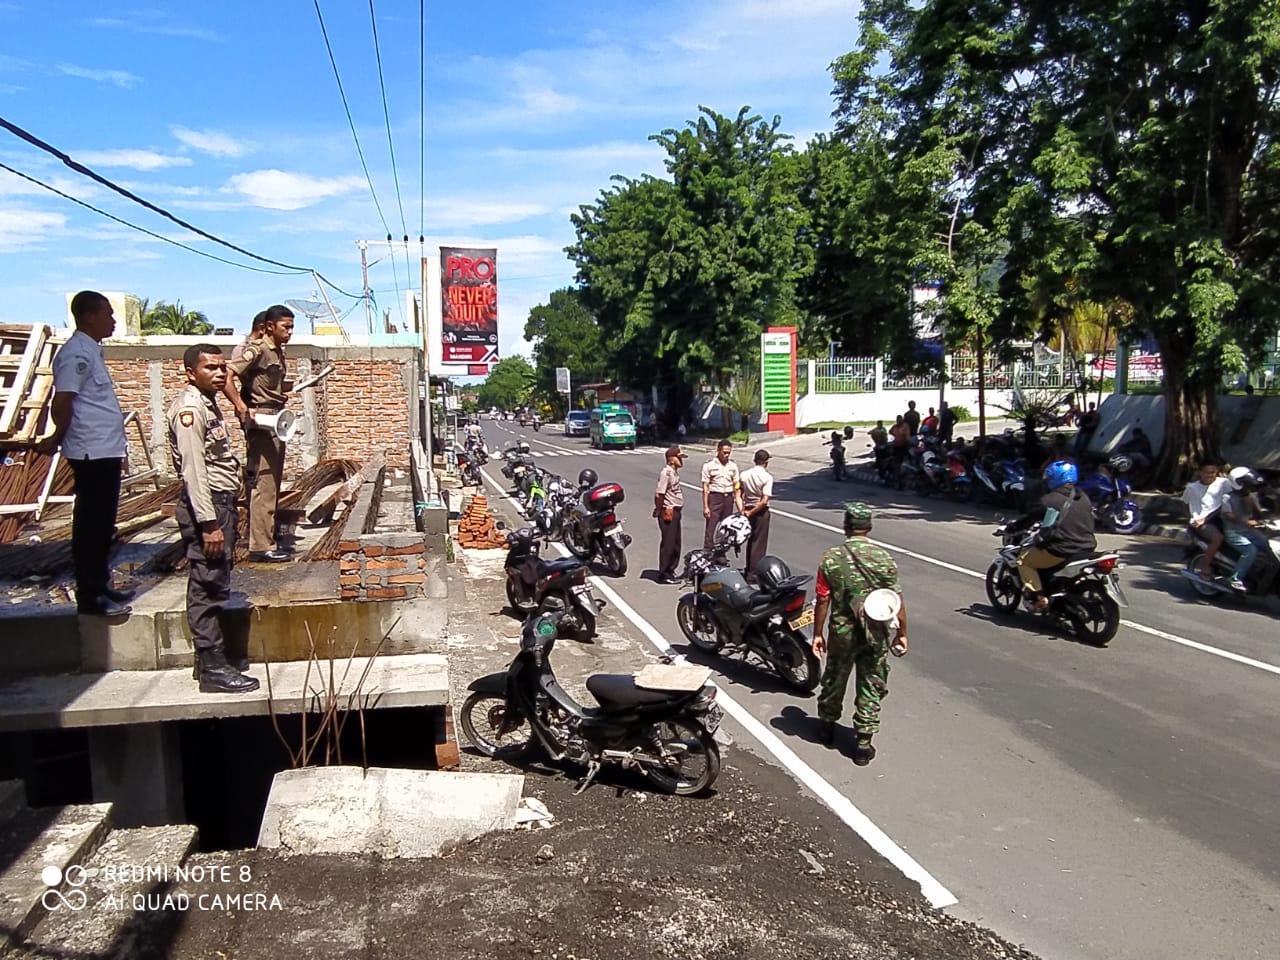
(1204, 497)
(1241, 517)
(1065, 516)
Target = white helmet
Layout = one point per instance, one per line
(733, 531)
(1242, 477)
(523, 446)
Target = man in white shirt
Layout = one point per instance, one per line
(89, 428)
(757, 491)
(1204, 497)
(721, 492)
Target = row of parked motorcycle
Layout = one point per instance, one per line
(997, 475)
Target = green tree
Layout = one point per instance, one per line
(1108, 151)
(509, 385)
(565, 334)
(743, 396)
(172, 320)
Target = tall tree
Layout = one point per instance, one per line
(173, 320)
(509, 385)
(565, 334)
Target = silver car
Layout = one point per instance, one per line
(577, 424)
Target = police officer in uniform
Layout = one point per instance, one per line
(846, 575)
(206, 514)
(260, 369)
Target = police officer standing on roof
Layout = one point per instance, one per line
(206, 514)
(846, 575)
(261, 369)
(89, 429)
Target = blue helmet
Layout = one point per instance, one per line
(1060, 472)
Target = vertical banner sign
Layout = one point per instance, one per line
(469, 305)
(775, 372)
(562, 380)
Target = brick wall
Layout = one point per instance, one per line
(365, 405)
(383, 566)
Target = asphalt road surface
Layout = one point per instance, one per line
(1121, 802)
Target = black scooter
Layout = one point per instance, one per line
(594, 529)
(667, 735)
(534, 584)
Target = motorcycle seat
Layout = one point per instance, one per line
(564, 565)
(619, 690)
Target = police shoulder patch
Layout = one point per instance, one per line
(82, 366)
(186, 418)
(249, 355)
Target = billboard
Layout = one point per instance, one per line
(562, 380)
(469, 305)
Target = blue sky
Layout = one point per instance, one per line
(228, 115)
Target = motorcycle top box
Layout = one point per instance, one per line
(603, 496)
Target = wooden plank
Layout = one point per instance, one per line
(18, 389)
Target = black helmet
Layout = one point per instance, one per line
(587, 478)
(836, 436)
(771, 571)
(848, 433)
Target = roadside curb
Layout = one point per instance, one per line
(1177, 534)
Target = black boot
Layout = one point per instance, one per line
(863, 751)
(218, 676)
(827, 733)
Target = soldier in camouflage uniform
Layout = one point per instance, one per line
(846, 575)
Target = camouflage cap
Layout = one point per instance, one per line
(857, 515)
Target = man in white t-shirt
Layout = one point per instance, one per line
(1204, 497)
(89, 429)
(757, 491)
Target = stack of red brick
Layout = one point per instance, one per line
(390, 566)
(477, 528)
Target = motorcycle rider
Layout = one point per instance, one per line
(1240, 513)
(1065, 516)
(1203, 497)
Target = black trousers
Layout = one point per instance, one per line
(669, 548)
(758, 545)
(721, 505)
(208, 581)
(93, 524)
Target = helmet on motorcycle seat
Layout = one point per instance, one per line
(1242, 477)
(836, 436)
(1120, 463)
(848, 433)
(1060, 472)
(771, 571)
(522, 537)
(588, 478)
(733, 531)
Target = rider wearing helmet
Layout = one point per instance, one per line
(1240, 513)
(587, 478)
(1065, 516)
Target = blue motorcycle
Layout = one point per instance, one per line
(1107, 488)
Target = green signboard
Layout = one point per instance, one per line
(775, 372)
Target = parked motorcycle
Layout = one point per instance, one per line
(724, 613)
(593, 529)
(1084, 594)
(667, 735)
(468, 471)
(535, 584)
(1262, 580)
(836, 443)
(1108, 490)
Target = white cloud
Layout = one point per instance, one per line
(465, 212)
(133, 159)
(21, 229)
(213, 142)
(121, 78)
(129, 256)
(14, 186)
(278, 190)
(136, 24)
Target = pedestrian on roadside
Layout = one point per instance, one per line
(261, 370)
(89, 429)
(255, 333)
(757, 492)
(668, 505)
(930, 423)
(206, 514)
(721, 491)
(846, 575)
(912, 418)
(1088, 421)
(878, 434)
(946, 421)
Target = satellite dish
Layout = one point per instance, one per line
(312, 308)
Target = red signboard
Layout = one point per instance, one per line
(477, 369)
(469, 305)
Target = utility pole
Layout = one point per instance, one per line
(364, 272)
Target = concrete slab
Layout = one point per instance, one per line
(58, 837)
(106, 926)
(154, 696)
(392, 813)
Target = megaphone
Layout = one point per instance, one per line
(285, 424)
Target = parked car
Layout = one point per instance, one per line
(577, 424)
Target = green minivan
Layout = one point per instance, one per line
(612, 426)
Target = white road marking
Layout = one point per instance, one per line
(1131, 624)
(879, 841)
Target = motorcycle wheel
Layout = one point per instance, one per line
(481, 717)
(575, 543)
(584, 624)
(1094, 616)
(1125, 517)
(797, 665)
(698, 627)
(615, 559)
(1194, 564)
(517, 598)
(693, 760)
(1004, 588)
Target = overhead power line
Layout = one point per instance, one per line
(80, 168)
(391, 150)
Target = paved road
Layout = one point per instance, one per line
(1120, 802)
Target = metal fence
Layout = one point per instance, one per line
(859, 375)
(845, 375)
